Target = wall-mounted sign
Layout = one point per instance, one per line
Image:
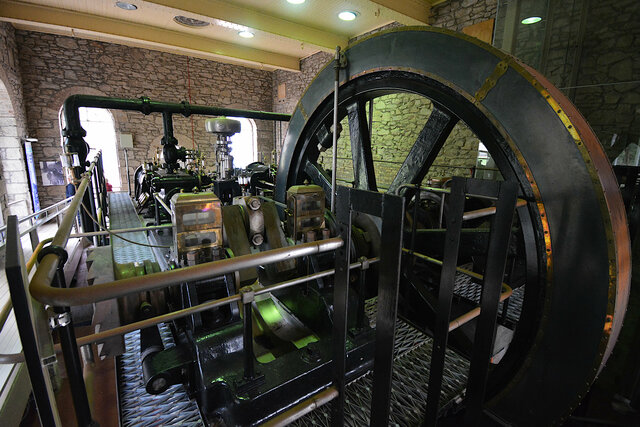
(52, 173)
(31, 172)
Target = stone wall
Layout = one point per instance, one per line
(54, 67)
(14, 188)
(596, 67)
(457, 14)
(609, 75)
(397, 121)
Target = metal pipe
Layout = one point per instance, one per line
(303, 408)
(314, 276)
(71, 357)
(121, 330)
(334, 154)
(145, 323)
(472, 314)
(47, 269)
(162, 203)
(4, 313)
(479, 213)
(282, 205)
(11, 358)
(42, 292)
(126, 165)
(438, 262)
(119, 231)
(147, 106)
(34, 256)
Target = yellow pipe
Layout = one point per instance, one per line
(506, 293)
(34, 256)
(472, 314)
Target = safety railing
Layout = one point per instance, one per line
(37, 219)
(48, 286)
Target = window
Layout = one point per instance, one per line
(101, 135)
(244, 144)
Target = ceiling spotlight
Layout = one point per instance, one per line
(347, 15)
(190, 22)
(246, 34)
(296, 1)
(531, 20)
(126, 6)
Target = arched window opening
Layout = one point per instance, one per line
(244, 144)
(101, 135)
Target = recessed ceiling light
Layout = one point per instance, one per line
(190, 22)
(296, 1)
(531, 20)
(246, 34)
(126, 6)
(347, 15)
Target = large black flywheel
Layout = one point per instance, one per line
(573, 228)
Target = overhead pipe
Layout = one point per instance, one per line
(74, 134)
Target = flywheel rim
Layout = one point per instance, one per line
(499, 87)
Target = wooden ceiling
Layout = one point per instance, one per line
(283, 32)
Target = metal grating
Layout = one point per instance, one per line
(123, 215)
(137, 407)
(410, 373)
(466, 287)
(410, 382)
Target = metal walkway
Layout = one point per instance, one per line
(410, 371)
(137, 407)
(411, 366)
(410, 381)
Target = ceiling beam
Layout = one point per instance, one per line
(415, 9)
(159, 38)
(257, 20)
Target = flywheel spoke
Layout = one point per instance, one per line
(363, 170)
(319, 176)
(425, 149)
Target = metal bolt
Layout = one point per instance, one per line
(310, 236)
(159, 384)
(257, 239)
(254, 204)
(326, 233)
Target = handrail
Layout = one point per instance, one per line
(46, 270)
(6, 308)
(478, 213)
(475, 312)
(119, 231)
(34, 256)
(4, 312)
(42, 291)
(40, 212)
(303, 408)
(39, 221)
(141, 324)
